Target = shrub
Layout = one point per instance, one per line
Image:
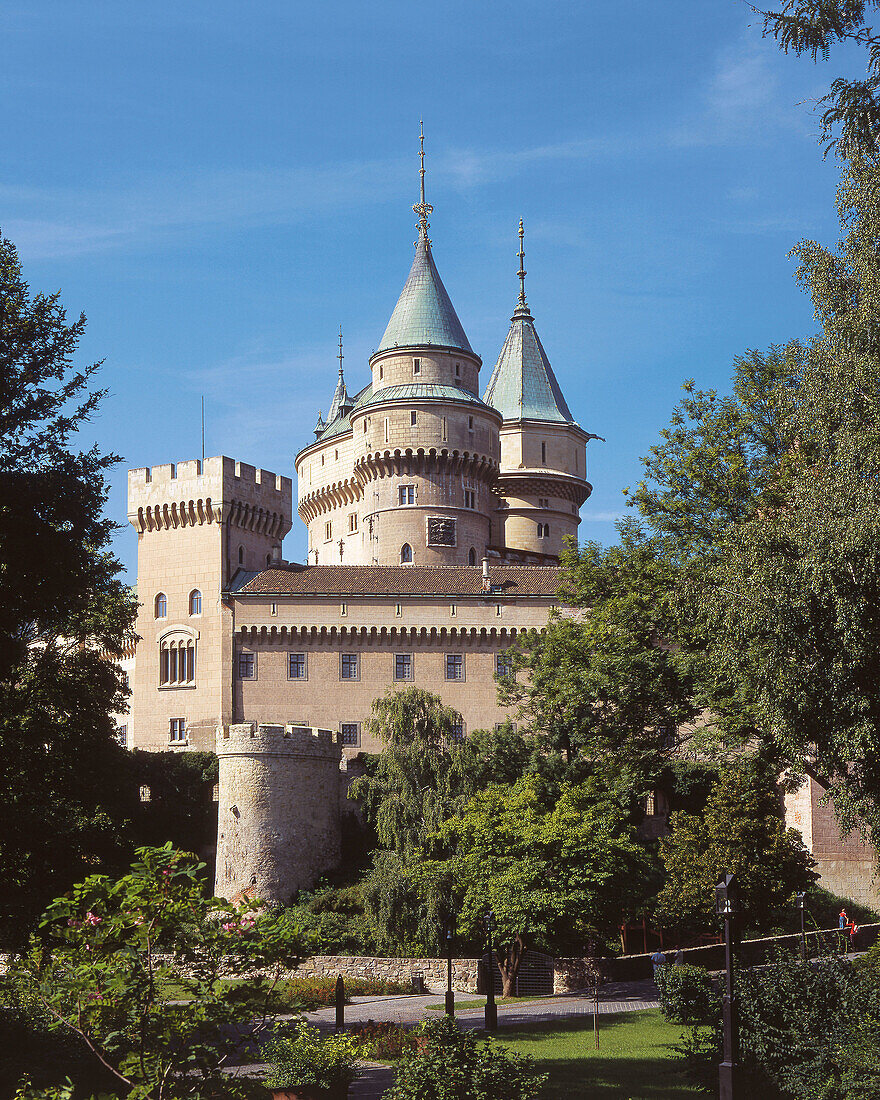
(385, 1040)
(306, 1060)
(687, 994)
(456, 1066)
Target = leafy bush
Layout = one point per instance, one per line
(454, 1065)
(687, 994)
(385, 1040)
(308, 1060)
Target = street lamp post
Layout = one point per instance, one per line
(727, 908)
(490, 1018)
(800, 900)
(450, 996)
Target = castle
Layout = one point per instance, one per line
(435, 521)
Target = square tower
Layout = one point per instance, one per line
(197, 525)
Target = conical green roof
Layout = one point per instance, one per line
(522, 385)
(424, 314)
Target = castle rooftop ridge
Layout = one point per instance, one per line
(219, 467)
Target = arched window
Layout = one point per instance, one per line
(405, 554)
(161, 605)
(472, 556)
(240, 555)
(177, 662)
(195, 602)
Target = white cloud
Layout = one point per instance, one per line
(601, 517)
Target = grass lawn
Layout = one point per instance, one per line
(634, 1060)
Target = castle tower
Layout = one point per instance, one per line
(278, 818)
(196, 524)
(542, 482)
(404, 472)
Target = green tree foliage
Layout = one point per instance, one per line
(559, 876)
(114, 959)
(64, 609)
(413, 784)
(604, 689)
(741, 831)
(851, 107)
(455, 1065)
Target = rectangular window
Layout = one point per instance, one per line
(122, 735)
(398, 610)
(177, 729)
(403, 666)
(503, 665)
(386, 429)
(273, 609)
(498, 610)
(406, 494)
(190, 663)
(352, 522)
(505, 725)
(343, 609)
(349, 667)
(470, 498)
(296, 666)
(417, 366)
(543, 502)
(470, 423)
(457, 731)
(328, 531)
(454, 666)
(413, 419)
(543, 453)
(350, 733)
(443, 428)
(246, 666)
(458, 370)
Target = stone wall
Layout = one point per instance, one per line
(429, 974)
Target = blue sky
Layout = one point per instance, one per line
(220, 185)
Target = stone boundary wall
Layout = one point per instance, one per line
(422, 974)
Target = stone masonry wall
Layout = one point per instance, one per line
(429, 974)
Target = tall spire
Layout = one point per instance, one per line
(339, 356)
(422, 208)
(522, 270)
(340, 401)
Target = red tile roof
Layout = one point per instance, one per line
(402, 580)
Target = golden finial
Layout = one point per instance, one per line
(422, 208)
(339, 356)
(522, 270)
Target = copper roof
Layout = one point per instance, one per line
(400, 580)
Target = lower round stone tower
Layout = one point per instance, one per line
(278, 815)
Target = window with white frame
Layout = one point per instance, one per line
(177, 729)
(470, 498)
(350, 733)
(543, 530)
(195, 602)
(122, 735)
(406, 555)
(403, 666)
(161, 606)
(454, 666)
(296, 666)
(503, 665)
(352, 522)
(406, 494)
(349, 666)
(457, 731)
(328, 531)
(417, 366)
(247, 666)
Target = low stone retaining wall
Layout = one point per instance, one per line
(427, 975)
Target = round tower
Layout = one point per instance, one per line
(542, 482)
(278, 815)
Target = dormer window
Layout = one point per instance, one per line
(417, 366)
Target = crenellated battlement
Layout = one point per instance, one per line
(282, 739)
(218, 490)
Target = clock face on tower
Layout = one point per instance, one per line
(441, 531)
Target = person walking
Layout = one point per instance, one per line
(842, 931)
(658, 959)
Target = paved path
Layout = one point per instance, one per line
(613, 997)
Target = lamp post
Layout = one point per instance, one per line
(450, 996)
(727, 908)
(490, 1018)
(800, 900)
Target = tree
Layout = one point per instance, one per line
(560, 876)
(65, 611)
(413, 785)
(108, 953)
(741, 832)
(603, 688)
(813, 27)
